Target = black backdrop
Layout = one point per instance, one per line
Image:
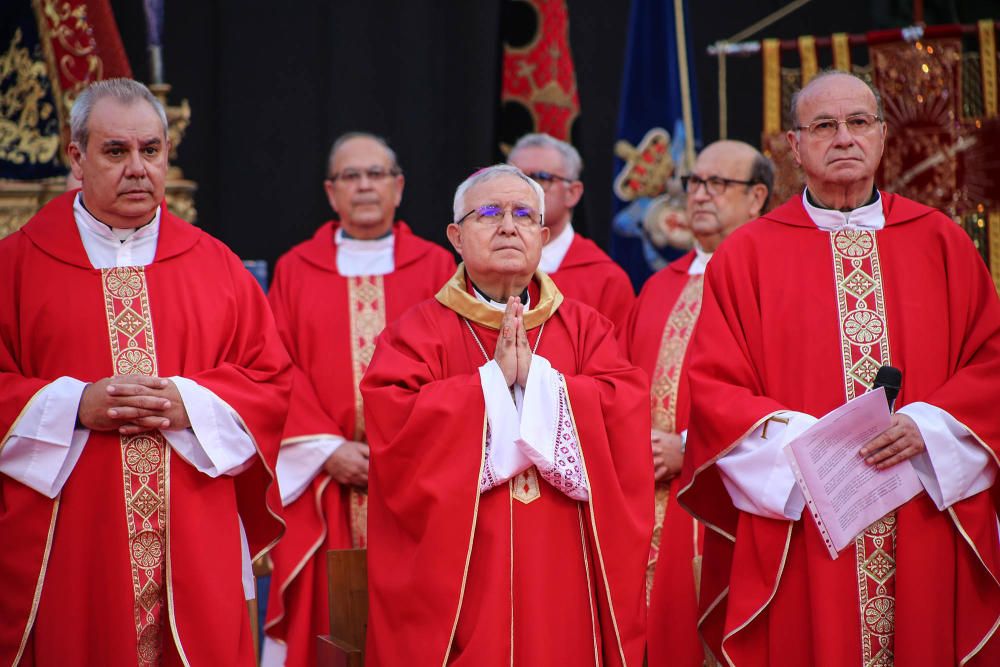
(271, 84)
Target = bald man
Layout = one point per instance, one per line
(331, 297)
(728, 187)
(801, 307)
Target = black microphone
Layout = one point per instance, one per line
(890, 378)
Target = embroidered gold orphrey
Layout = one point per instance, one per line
(144, 457)
(864, 340)
(663, 396)
(366, 302)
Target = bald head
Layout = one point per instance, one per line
(838, 79)
(738, 181)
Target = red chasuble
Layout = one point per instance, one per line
(329, 324)
(797, 318)
(656, 339)
(140, 553)
(587, 274)
(512, 575)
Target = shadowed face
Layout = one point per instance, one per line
(123, 169)
(713, 216)
(503, 247)
(365, 192)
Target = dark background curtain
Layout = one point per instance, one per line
(271, 84)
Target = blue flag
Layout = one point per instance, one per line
(651, 134)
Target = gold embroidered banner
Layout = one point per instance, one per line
(841, 47)
(771, 54)
(988, 66)
(808, 58)
(144, 458)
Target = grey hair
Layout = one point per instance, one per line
(125, 91)
(488, 174)
(571, 160)
(762, 171)
(348, 136)
(793, 106)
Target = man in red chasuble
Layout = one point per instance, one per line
(511, 484)
(801, 307)
(332, 295)
(576, 265)
(142, 389)
(728, 187)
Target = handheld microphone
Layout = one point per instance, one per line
(890, 378)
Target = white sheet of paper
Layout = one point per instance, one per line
(844, 494)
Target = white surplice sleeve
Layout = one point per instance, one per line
(757, 474)
(299, 462)
(44, 444)
(955, 466)
(532, 427)
(216, 443)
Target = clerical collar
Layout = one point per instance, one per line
(496, 305)
(870, 216)
(108, 232)
(554, 252)
(700, 263)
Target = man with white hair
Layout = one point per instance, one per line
(142, 390)
(801, 308)
(576, 264)
(510, 487)
(331, 296)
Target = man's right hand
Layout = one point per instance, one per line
(506, 352)
(349, 464)
(668, 455)
(102, 410)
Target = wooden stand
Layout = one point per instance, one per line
(347, 571)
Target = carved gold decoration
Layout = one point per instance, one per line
(647, 166)
(24, 111)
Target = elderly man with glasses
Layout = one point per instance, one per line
(801, 308)
(728, 187)
(331, 297)
(578, 267)
(510, 487)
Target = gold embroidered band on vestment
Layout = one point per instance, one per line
(366, 303)
(864, 338)
(663, 396)
(144, 458)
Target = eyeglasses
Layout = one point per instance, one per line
(493, 214)
(857, 124)
(546, 179)
(374, 174)
(714, 185)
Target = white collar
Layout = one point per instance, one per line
(700, 263)
(87, 222)
(869, 216)
(554, 252)
(496, 305)
(348, 244)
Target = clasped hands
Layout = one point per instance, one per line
(512, 353)
(132, 404)
(668, 455)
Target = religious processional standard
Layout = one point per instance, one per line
(844, 494)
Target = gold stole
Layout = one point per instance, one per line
(864, 340)
(663, 400)
(366, 303)
(144, 458)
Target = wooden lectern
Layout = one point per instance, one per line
(347, 571)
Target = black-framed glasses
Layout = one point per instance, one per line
(353, 176)
(714, 185)
(546, 179)
(857, 124)
(493, 214)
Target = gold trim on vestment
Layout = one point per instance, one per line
(988, 66)
(774, 591)
(593, 526)
(972, 545)
(771, 62)
(144, 458)
(808, 58)
(454, 296)
(286, 442)
(590, 590)
(864, 339)
(993, 233)
(841, 47)
(38, 586)
(472, 538)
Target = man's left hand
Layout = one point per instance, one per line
(902, 440)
